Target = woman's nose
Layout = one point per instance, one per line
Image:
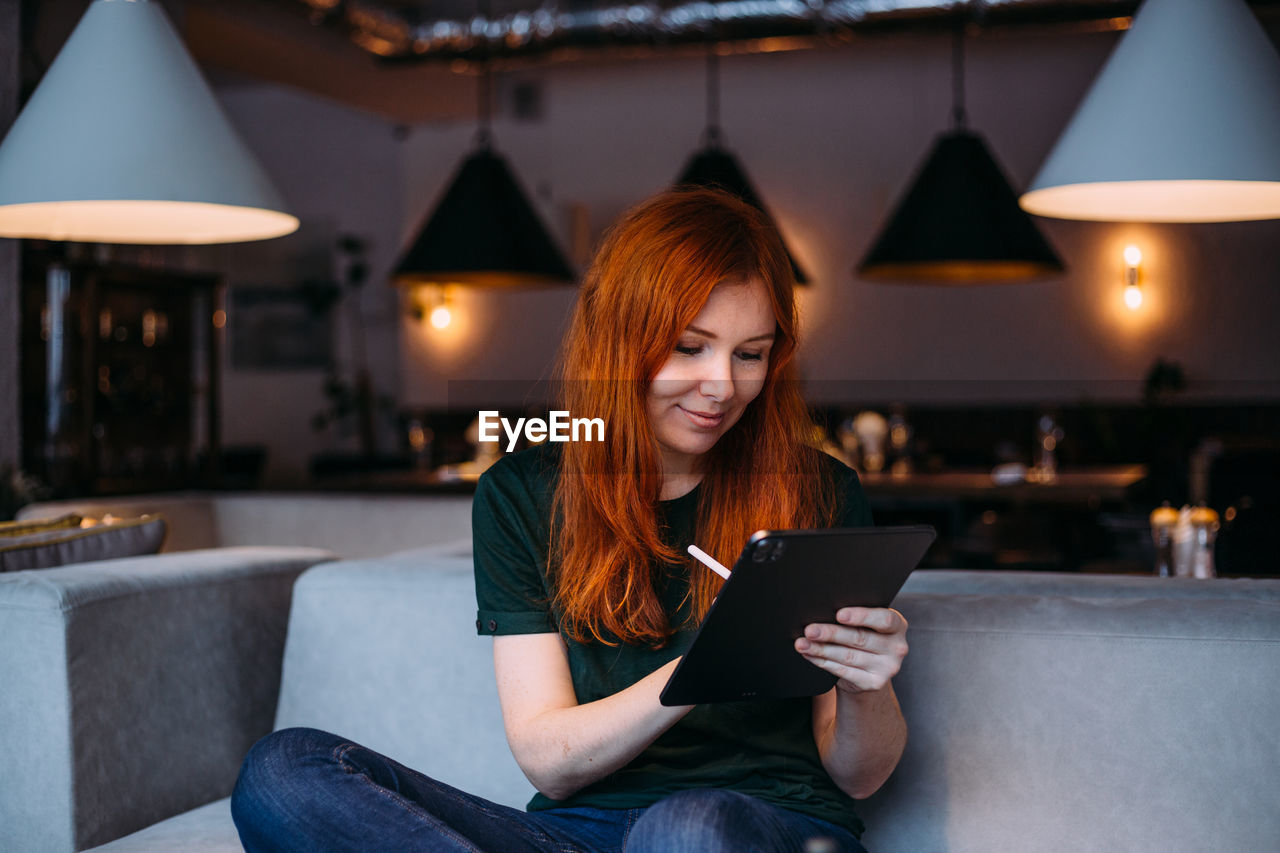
(717, 382)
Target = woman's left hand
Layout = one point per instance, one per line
(864, 650)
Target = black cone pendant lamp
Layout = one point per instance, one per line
(484, 231)
(714, 166)
(960, 222)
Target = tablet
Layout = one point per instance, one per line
(783, 581)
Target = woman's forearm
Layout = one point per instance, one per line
(857, 725)
(860, 737)
(563, 749)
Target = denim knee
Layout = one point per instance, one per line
(707, 820)
(270, 769)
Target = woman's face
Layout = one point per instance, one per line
(718, 366)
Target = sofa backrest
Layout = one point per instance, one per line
(385, 652)
(348, 524)
(1046, 714)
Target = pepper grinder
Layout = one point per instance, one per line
(1163, 520)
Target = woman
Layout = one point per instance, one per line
(683, 341)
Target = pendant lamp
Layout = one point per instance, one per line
(959, 223)
(1181, 125)
(714, 166)
(123, 142)
(484, 232)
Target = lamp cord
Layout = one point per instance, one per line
(713, 98)
(484, 134)
(959, 117)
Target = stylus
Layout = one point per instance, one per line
(708, 561)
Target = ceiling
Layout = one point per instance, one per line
(401, 58)
(436, 30)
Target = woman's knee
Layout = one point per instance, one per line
(272, 766)
(706, 819)
(280, 753)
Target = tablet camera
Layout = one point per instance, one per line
(768, 549)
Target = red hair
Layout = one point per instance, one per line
(652, 274)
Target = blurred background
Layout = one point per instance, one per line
(1035, 422)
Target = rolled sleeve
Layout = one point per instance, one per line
(494, 622)
(511, 590)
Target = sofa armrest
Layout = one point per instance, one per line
(133, 688)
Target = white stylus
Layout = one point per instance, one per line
(708, 561)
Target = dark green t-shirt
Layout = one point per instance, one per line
(764, 748)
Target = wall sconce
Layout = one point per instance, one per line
(432, 303)
(1132, 286)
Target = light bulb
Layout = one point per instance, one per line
(1133, 297)
(1132, 255)
(440, 316)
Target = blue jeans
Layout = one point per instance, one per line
(307, 790)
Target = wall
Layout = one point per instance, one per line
(338, 170)
(831, 138)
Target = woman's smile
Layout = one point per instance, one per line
(706, 421)
(717, 367)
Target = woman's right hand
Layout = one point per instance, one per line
(560, 745)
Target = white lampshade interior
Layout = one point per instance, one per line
(1181, 125)
(124, 142)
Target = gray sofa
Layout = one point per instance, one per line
(129, 687)
(1047, 712)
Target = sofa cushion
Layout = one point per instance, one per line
(385, 652)
(191, 518)
(10, 530)
(208, 829)
(61, 545)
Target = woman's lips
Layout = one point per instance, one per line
(701, 420)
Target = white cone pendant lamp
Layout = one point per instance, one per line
(1181, 125)
(123, 142)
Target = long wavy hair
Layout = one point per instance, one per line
(650, 277)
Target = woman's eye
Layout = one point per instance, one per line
(695, 349)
